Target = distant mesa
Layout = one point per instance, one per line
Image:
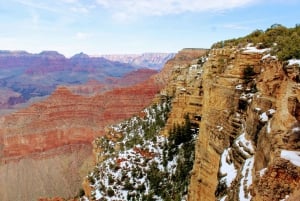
(80, 55)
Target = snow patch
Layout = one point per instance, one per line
(284, 199)
(296, 129)
(268, 56)
(98, 194)
(246, 180)
(250, 49)
(263, 117)
(269, 127)
(220, 128)
(239, 87)
(227, 168)
(292, 156)
(271, 111)
(223, 198)
(257, 109)
(244, 145)
(262, 172)
(294, 61)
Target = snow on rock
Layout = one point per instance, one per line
(262, 172)
(227, 168)
(246, 180)
(251, 49)
(257, 109)
(294, 61)
(269, 127)
(292, 156)
(239, 87)
(286, 198)
(268, 56)
(220, 128)
(271, 111)
(263, 117)
(244, 145)
(296, 129)
(98, 194)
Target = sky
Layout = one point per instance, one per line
(135, 26)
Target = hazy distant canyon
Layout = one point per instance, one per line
(26, 77)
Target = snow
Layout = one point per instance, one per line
(271, 111)
(223, 198)
(296, 129)
(84, 199)
(294, 61)
(263, 117)
(239, 87)
(220, 128)
(286, 197)
(98, 195)
(257, 109)
(227, 168)
(128, 160)
(268, 56)
(262, 172)
(292, 156)
(269, 127)
(250, 49)
(246, 180)
(244, 145)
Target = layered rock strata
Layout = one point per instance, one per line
(249, 128)
(45, 149)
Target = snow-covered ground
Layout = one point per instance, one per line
(251, 49)
(292, 156)
(139, 156)
(227, 168)
(294, 61)
(246, 180)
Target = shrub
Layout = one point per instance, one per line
(110, 192)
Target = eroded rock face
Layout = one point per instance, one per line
(250, 107)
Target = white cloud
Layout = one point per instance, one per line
(133, 8)
(79, 9)
(82, 36)
(70, 1)
(236, 27)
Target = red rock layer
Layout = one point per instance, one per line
(65, 118)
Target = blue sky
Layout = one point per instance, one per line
(134, 26)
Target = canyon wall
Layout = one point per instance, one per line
(249, 128)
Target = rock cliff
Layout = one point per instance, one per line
(246, 104)
(249, 128)
(134, 147)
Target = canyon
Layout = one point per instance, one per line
(45, 148)
(246, 104)
(27, 77)
(56, 134)
(117, 141)
(147, 60)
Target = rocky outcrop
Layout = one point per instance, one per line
(185, 86)
(249, 115)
